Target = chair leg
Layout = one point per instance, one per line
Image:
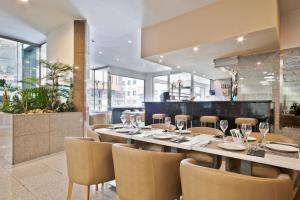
(87, 192)
(70, 190)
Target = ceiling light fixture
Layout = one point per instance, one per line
(178, 66)
(265, 72)
(161, 56)
(240, 39)
(242, 78)
(117, 59)
(196, 49)
(160, 60)
(24, 1)
(100, 52)
(130, 42)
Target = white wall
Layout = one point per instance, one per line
(60, 44)
(290, 29)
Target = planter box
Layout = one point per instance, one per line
(35, 135)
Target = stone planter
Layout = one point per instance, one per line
(36, 135)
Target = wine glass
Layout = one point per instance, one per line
(263, 129)
(132, 120)
(246, 130)
(138, 121)
(123, 120)
(168, 122)
(223, 126)
(180, 125)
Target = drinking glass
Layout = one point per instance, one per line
(180, 125)
(123, 120)
(132, 120)
(246, 130)
(168, 122)
(263, 129)
(139, 121)
(223, 126)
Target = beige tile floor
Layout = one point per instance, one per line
(41, 179)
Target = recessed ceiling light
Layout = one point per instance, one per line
(196, 49)
(161, 56)
(240, 39)
(160, 60)
(178, 66)
(100, 52)
(130, 42)
(117, 59)
(24, 1)
(258, 63)
(265, 72)
(242, 78)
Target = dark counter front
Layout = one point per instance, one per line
(261, 110)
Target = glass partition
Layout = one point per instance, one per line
(160, 85)
(180, 86)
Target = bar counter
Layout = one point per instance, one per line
(227, 110)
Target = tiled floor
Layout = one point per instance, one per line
(41, 179)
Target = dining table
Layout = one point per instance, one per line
(207, 144)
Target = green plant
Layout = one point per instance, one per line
(56, 70)
(6, 100)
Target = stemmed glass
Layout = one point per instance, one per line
(263, 129)
(180, 125)
(138, 121)
(132, 120)
(223, 126)
(246, 130)
(168, 122)
(123, 120)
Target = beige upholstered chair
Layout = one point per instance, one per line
(205, 120)
(158, 116)
(205, 159)
(88, 162)
(210, 184)
(146, 175)
(184, 118)
(164, 126)
(245, 120)
(102, 137)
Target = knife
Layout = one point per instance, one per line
(283, 143)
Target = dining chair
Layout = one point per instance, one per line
(206, 120)
(185, 119)
(88, 163)
(146, 175)
(103, 137)
(207, 160)
(246, 120)
(158, 116)
(170, 127)
(201, 183)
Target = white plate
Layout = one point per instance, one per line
(146, 127)
(232, 146)
(251, 139)
(162, 136)
(183, 131)
(283, 148)
(123, 130)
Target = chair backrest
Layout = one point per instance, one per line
(164, 126)
(209, 119)
(146, 175)
(246, 120)
(88, 162)
(205, 130)
(275, 137)
(211, 184)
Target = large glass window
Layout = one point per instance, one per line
(201, 88)
(126, 92)
(180, 86)
(160, 85)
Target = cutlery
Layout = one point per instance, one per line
(283, 143)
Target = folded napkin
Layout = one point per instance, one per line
(202, 139)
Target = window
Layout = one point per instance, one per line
(134, 92)
(201, 88)
(184, 80)
(160, 85)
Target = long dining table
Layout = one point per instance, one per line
(195, 143)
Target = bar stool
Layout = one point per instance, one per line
(245, 120)
(184, 118)
(158, 116)
(205, 120)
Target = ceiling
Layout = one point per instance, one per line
(112, 24)
(289, 5)
(201, 62)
